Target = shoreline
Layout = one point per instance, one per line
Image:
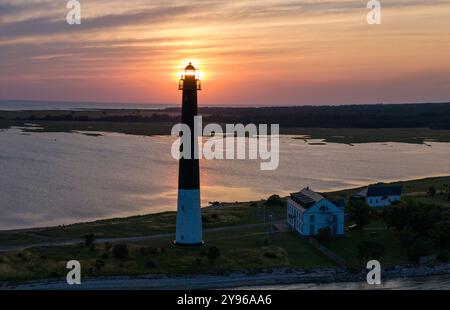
(150, 122)
(225, 204)
(237, 280)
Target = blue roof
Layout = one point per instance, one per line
(384, 190)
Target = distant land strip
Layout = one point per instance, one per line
(409, 123)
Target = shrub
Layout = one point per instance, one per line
(53, 274)
(440, 234)
(324, 235)
(359, 213)
(99, 264)
(213, 253)
(89, 240)
(120, 251)
(108, 246)
(150, 264)
(198, 261)
(271, 255)
(274, 200)
(152, 250)
(368, 250)
(105, 256)
(432, 191)
(442, 256)
(143, 251)
(421, 247)
(406, 240)
(396, 216)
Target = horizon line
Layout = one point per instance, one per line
(227, 105)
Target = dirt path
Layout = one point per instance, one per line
(49, 243)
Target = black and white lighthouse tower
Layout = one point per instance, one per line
(189, 219)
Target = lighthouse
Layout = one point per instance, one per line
(189, 219)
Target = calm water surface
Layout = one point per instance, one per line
(62, 178)
(421, 283)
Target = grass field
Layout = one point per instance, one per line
(230, 214)
(251, 250)
(347, 247)
(416, 189)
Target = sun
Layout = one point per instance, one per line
(196, 63)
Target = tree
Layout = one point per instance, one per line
(420, 247)
(432, 191)
(324, 235)
(406, 239)
(89, 240)
(446, 189)
(213, 253)
(368, 250)
(440, 234)
(120, 251)
(274, 200)
(396, 216)
(359, 213)
(421, 218)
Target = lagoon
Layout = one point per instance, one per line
(63, 178)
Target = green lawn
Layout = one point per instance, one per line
(347, 247)
(231, 214)
(411, 188)
(246, 249)
(436, 200)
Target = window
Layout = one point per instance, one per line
(312, 219)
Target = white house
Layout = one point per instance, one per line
(380, 196)
(308, 211)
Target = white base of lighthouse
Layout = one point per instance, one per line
(189, 218)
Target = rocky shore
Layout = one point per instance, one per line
(236, 280)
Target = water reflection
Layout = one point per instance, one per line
(61, 178)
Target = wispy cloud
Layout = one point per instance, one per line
(261, 44)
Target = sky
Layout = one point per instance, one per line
(250, 52)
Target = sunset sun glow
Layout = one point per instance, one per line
(279, 52)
